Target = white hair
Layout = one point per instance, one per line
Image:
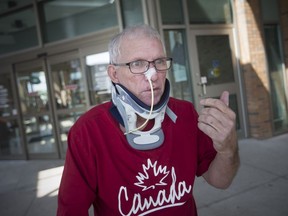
(130, 33)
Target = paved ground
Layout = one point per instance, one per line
(29, 188)
(260, 187)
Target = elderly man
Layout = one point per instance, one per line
(139, 154)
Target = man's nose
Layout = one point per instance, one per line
(150, 73)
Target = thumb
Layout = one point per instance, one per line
(225, 97)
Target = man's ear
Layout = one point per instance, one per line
(111, 70)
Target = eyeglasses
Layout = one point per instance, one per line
(141, 66)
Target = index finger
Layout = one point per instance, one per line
(215, 103)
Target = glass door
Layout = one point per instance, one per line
(98, 79)
(37, 121)
(11, 146)
(68, 93)
(52, 94)
(214, 68)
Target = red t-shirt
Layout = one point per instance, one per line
(102, 169)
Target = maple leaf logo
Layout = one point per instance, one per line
(152, 176)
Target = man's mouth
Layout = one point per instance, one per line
(154, 88)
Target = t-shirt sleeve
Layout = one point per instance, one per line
(78, 184)
(206, 153)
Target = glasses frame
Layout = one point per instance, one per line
(148, 66)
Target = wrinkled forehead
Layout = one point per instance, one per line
(142, 47)
(127, 40)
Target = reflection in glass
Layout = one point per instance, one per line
(270, 11)
(67, 19)
(277, 78)
(132, 12)
(210, 12)
(171, 12)
(7, 106)
(215, 58)
(68, 84)
(10, 143)
(179, 74)
(33, 91)
(9, 5)
(18, 31)
(99, 81)
(65, 122)
(39, 134)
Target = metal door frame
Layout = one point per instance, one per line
(233, 88)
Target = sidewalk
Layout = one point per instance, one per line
(260, 187)
(29, 188)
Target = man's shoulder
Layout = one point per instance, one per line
(100, 108)
(95, 112)
(178, 103)
(182, 108)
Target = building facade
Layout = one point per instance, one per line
(53, 58)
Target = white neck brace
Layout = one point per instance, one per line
(129, 107)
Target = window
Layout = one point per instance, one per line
(10, 143)
(132, 12)
(12, 4)
(171, 12)
(62, 19)
(18, 31)
(210, 12)
(99, 81)
(179, 74)
(277, 77)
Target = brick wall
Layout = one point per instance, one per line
(254, 67)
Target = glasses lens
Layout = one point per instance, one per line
(163, 64)
(139, 66)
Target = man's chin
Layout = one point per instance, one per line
(155, 102)
(148, 99)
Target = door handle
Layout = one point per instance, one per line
(203, 82)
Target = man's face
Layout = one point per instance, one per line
(140, 49)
